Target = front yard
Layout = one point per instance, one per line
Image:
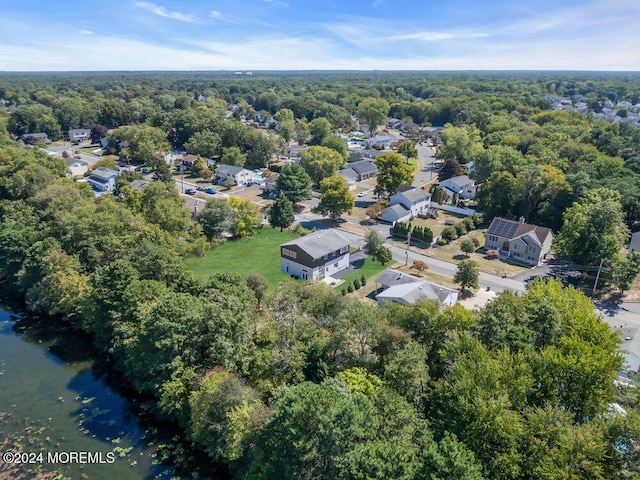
(259, 253)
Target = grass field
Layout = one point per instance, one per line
(370, 269)
(257, 254)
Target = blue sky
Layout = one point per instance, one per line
(44, 35)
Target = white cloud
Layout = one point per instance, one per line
(163, 12)
(86, 32)
(277, 3)
(438, 36)
(215, 14)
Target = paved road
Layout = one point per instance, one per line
(446, 269)
(426, 157)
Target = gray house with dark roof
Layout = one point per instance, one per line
(408, 202)
(406, 290)
(519, 241)
(103, 179)
(316, 255)
(364, 169)
(79, 134)
(39, 137)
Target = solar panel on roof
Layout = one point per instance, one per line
(503, 228)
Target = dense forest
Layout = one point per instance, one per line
(301, 382)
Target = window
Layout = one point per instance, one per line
(326, 256)
(344, 249)
(289, 253)
(335, 265)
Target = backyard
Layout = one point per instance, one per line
(370, 269)
(259, 253)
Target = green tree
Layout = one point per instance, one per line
(384, 255)
(320, 162)
(287, 123)
(393, 171)
(337, 144)
(624, 270)
(204, 143)
(294, 182)
(34, 119)
(592, 229)
(467, 274)
(335, 197)
(319, 128)
(216, 218)
(460, 143)
(373, 242)
(408, 149)
(244, 217)
(200, 168)
(258, 285)
(233, 156)
(373, 112)
(467, 246)
(281, 212)
(408, 374)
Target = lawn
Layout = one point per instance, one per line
(257, 254)
(370, 269)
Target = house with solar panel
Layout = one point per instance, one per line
(317, 255)
(519, 241)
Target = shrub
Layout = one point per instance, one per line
(363, 280)
(449, 234)
(441, 241)
(468, 223)
(493, 253)
(419, 265)
(350, 288)
(356, 284)
(343, 291)
(460, 228)
(476, 242)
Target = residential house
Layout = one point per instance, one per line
(461, 186)
(139, 184)
(239, 175)
(76, 168)
(39, 137)
(405, 289)
(364, 169)
(270, 183)
(350, 176)
(408, 202)
(519, 241)
(292, 152)
(316, 255)
(634, 244)
(79, 134)
(103, 179)
(380, 141)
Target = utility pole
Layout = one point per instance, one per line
(597, 277)
(406, 262)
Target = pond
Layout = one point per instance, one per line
(52, 402)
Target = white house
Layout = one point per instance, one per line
(380, 141)
(405, 289)
(79, 134)
(103, 179)
(239, 175)
(316, 255)
(634, 244)
(76, 168)
(462, 186)
(519, 241)
(408, 202)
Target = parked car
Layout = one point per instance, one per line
(210, 190)
(362, 194)
(190, 191)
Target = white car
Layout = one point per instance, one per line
(362, 194)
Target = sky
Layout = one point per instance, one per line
(83, 35)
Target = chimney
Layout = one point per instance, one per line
(521, 219)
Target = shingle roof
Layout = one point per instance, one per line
(320, 243)
(460, 180)
(415, 194)
(409, 288)
(228, 169)
(104, 173)
(348, 173)
(511, 229)
(363, 167)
